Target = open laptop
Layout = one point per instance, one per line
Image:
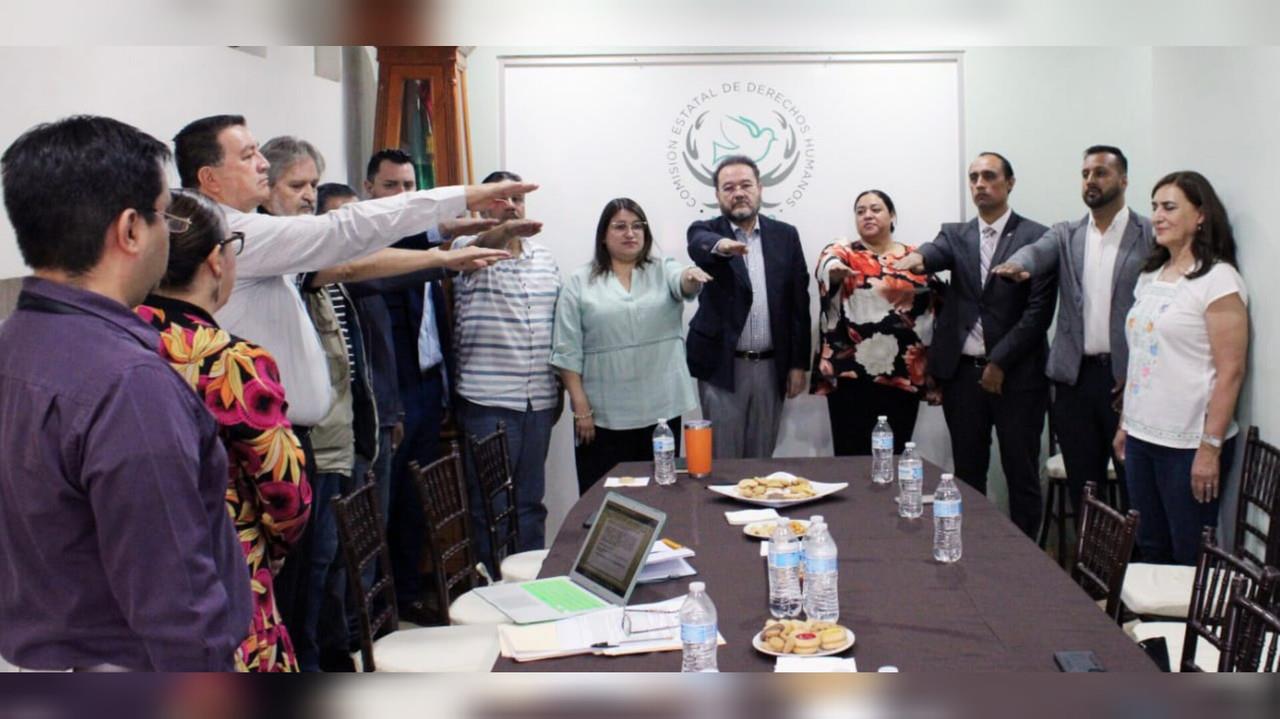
(603, 575)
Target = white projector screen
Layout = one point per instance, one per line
(650, 127)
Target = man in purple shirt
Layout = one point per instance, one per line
(116, 548)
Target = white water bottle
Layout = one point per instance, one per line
(946, 521)
(698, 630)
(910, 482)
(882, 451)
(821, 574)
(664, 454)
(784, 571)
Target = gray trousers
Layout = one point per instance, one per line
(744, 422)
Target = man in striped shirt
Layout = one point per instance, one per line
(504, 315)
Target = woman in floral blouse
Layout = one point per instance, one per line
(267, 495)
(871, 360)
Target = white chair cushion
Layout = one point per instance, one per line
(1174, 633)
(1055, 467)
(523, 566)
(470, 609)
(1159, 590)
(436, 649)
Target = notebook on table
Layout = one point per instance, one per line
(603, 575)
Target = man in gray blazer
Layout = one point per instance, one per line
(990, 340)
(1097, 259)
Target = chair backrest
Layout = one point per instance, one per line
(1103, 551)
(490, 457)
(443, 495)
(1216, 572)
(1253, 628)
(364, 542)
(1258, 512)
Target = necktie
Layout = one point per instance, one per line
(987, 249)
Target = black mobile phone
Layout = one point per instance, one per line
(1078, 661)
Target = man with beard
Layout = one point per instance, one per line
(989, 340)
(1098, 259)
(748, 343)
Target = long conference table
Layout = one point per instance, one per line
(1005, 606)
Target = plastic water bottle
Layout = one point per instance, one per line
(784, 571)
(882, 451)
(946, 521)
(821, 575)
(664, 454)
(698, 630)
(910, 482)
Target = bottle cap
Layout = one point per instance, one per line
(882, 418)
(948, 476)
(912, 445)
(817, 518)
(888, 669)
(662, 420)
(697, 586)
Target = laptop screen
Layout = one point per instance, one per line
(617, 546)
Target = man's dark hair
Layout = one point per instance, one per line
(499, 176)
(196, 146)
(1111, 150)
(1005, 165)
(65, 182)
(734, 160)
(389, 154)
(330, 191)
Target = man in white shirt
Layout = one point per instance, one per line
(1098, 259)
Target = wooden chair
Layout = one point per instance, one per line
(491, 458)
(1162, 590)
(426, 649)
(1057, 500)
(1196, 645)
(1253, 629)
(1103, 551)
(443, 495)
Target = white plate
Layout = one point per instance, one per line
(763, 648)
(767, 526)
(820, 489)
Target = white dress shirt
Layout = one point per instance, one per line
(988, 240)
(265, 306)
(1100, 250)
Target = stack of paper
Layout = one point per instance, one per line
(666, 561)
(747, 516)
(598, 632)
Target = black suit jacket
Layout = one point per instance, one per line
(725, 302)
(1015, 316)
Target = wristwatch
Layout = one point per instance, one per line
(1212, 440)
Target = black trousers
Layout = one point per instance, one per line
(1086, 423)
(1018, 418)
(854, 408)
(612, 446)
(292, 583)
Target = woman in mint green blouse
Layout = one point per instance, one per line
(619, 343)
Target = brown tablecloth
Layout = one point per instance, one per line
(1005, 606)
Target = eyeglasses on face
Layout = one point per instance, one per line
(236, 241)
(637, 227)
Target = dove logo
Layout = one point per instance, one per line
(740, 118)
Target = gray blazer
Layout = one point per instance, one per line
(1063, 245)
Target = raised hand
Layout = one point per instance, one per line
(493, 195)
(837, 271)
(464, 226)
(694, 274)
(730, 247)
(1011, 271)
(469, 259)
(913, 263)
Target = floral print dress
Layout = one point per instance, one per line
(267, 493)
(872, 323)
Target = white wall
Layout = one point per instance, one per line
(161, 89)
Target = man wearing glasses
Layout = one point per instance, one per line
(115, 541)
(748, 344)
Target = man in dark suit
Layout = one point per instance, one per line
(748, 343)
(1098, 258)
(989, 341)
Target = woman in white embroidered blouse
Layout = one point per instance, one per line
(1188, 334)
